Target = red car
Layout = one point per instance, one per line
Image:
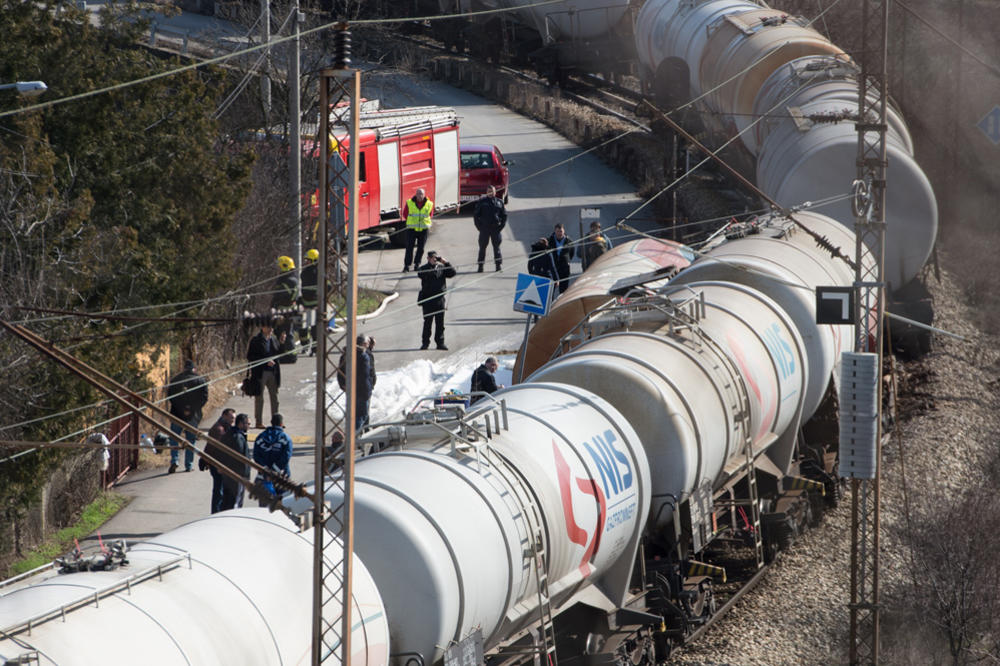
(482, 165)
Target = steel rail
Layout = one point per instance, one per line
(726, 607)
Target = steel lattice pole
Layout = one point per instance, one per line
(873, 99)
(337, 281)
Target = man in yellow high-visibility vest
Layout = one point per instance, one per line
(417, 215)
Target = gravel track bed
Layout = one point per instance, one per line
(950, 424)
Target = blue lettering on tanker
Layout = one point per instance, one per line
(614, 465)
(618, 514)
(780, 350)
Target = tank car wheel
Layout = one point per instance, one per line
(778, 532)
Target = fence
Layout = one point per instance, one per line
(124, 430)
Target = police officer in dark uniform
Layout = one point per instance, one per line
(561, 247)
(490, 217)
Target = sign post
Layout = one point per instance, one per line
(531, 296)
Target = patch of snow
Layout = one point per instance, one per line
(398, 390)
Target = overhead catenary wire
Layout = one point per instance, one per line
(230, 294)
(252, 49)
(224, 374)
(122, 394)
(548, 168)
(630, 215)
(990, 67)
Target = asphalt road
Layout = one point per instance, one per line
(480, 319)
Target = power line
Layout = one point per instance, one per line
(252, 49)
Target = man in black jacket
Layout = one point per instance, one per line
(188, 393)
(561, 247)
(219, 431)
(483, 379)
(236, 441)
(262, 355)
(540, 260)
(490, 217)
(364, 378)
(433, 276)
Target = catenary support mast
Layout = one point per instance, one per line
(340, 88)
(869, 207)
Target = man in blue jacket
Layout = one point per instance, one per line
(273, 449)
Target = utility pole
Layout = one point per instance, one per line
(265, 78)
(869, 209)
(333, 512)
(295, 141)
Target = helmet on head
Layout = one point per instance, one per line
(286, 263)
(312, 255)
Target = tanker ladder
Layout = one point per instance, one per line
(753, 495)
(688, 313)
(543, 645)
(758, 541)
(546, 630)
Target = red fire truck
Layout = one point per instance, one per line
(400, 150)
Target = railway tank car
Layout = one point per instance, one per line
(743, 61)
(564, 514)
(576, 515)
(232, 588)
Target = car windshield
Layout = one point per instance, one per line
(477, 161)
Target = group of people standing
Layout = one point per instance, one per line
(187, 393)
(550, 256)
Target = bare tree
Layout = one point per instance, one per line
(956, 572)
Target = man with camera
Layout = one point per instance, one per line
(433, 276)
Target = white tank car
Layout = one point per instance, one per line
(450, 529)
(743, 61)
(661, 404)
(786, 263)
(559, 21)
(233, 588)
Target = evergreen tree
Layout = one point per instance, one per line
(113, 201)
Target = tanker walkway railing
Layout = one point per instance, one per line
(96, 594)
